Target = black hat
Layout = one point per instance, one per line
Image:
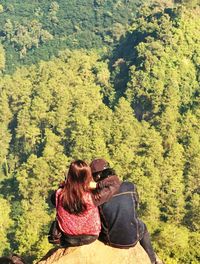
(98, 165)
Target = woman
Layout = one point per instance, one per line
(77, 216)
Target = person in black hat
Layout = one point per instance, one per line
(118, 201)
(6, 260)
(13, 259)
(107, 183)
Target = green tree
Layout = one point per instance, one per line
(5, 223)
(147, 169)
(1, 9)
(173, 243)
(172, 195)
(124, 139)
(190, 138)
(188, 3)
(2, 58)
(5, 135)
(31, 227)
(8, 29)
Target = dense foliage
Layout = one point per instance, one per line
(35, 30)
(138, 108)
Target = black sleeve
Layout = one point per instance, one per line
(53, 198)
(106, 189)
(53, 195)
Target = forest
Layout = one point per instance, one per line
(36, 30)
(129, 94)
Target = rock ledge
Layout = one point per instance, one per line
(96, 253)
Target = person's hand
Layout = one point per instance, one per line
(92, 185)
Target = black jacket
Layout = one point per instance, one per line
(120, 224)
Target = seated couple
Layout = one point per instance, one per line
(93, 204)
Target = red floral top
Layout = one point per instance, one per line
(87, 223)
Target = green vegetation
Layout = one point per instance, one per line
(35, 30)
(138, 107)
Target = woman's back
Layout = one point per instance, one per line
(76, 213)
(87, 222)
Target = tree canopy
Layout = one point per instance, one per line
(137, 106)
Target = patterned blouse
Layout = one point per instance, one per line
(87, 223)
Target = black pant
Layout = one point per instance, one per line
(145, 242)
(73, 241)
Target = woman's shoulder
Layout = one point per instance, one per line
(87, 194)
(58, 191)
(58, 194)
(88, 198)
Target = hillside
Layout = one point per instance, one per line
(139, 108)
(36, 30)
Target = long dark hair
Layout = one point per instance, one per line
(101, 175)
(77, 182)
(98, 177)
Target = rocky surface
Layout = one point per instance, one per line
(96, 253)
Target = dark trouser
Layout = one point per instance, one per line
(145, 242)
(73, 241)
